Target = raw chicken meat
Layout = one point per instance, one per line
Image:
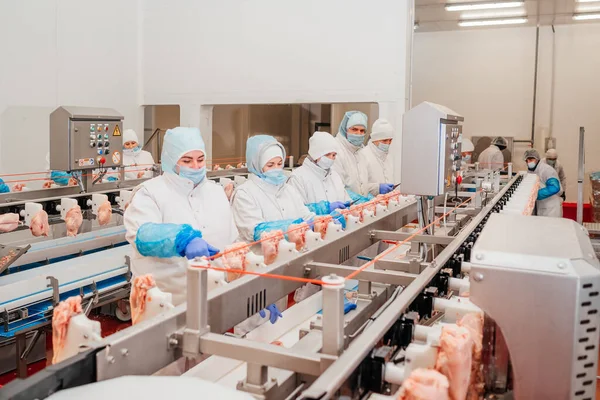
(72, 182)
(73, 220)
(425, 384)
(47, 184)
(241, 165)
(277, 343)
(382, 199)
(370, 205)
(104, 213)
(217, 167)
(357, 211)
(229, 166)
(321, 223)
(139, 295)
(270, 245)
(454, 359)
(39, 224)
(60, 323)
(234, 257)
(18, 187)
(9, 222)
(474, 323)
(297, 234)
(229, 190)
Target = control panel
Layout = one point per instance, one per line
(431, 150)
(85, 138)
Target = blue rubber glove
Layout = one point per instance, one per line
(552, 188)
(112, 179)
(337, 205)
(385, 188)
(339, 218)
(273, 311)
(198, 247)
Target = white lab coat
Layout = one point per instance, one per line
(561, 175)
(491, 158)
(551, 206)
(257, 201)
(172, 199)
(316, 184)
(379, 166)
(347, 164)
(140, 160)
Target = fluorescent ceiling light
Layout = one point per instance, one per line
(490, 22)
(493, 14)
(582, 8)
(587, 1)
(585, 17)
(483, 5)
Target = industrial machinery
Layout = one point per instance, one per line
(540, 301)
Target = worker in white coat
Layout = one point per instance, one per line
(177, 215)
(376, 160)
(548, 203)
(138, 163)
(492, 157)
(315, 180)
(351, 139)
(552, 160)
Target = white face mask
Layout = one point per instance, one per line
(325, 162)
(384, 147)
(531, 165)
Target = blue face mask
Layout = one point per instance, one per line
(357, 140)
(383, 147)
(133, 151)
(274, 177)
(194, 175)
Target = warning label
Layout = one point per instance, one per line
(84, 162)
(117, 131)
(116, 157)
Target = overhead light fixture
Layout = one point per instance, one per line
(589, 7)
(587, 1)
(586, 17)
(483, 5)
(493, 14)
(491, 22)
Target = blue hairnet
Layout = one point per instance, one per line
(3, 187)
(254, 148)
(352, 118)
(177, 142)
(164, 240)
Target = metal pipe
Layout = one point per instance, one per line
(580, 174)
(535, 76)
(333, 315)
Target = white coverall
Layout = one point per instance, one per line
(316, 184)
(562, 177)
(347, 165)
(378, 165)
(491, 158)
(551, 206)
(138, 161)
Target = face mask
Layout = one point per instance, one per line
(501, 147)
(357, 140)
(135, 150)
(531, 165)
(194, 175)
(325, 162)
(383, 147)
(274, 177)
(552, 163)
(467, 158)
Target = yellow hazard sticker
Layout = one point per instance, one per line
(117, 131)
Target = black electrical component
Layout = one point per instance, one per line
(400, 334)
(423, 305)
(440, 281)
(373, 369)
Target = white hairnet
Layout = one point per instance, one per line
(179, 141)
(531, 153)
(129, 135)
(500, 141)
(321, 143)
(268, 154)
(382, 130)
(552, 154)
(467, 145)
(255, 146)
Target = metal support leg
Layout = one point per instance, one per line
(20, 345)
(55, 294)
(333, 315)
(364, 289)
(510, 170)
(256, 374)
(197, 311)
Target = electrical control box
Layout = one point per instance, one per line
(431, 150)
(83, 138)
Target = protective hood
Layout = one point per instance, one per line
(129, 135)
(382, 130)
(321, 143)
(467, 145)
(177, 142)
(255, 147)
(352, 118)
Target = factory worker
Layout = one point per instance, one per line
(552, 160)
(548, 203)
(466, 152)
(134, 158)
(351, 138)
(178, 214)
(264, 198)
(61, 178)
(492, 157)
(315, 180)
(376, 160)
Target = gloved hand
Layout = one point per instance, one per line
(198, 248)
(337, 205)
(274, 313)
(385, 188)
(339, 218)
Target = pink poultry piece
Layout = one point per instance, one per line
(104, 213)
(270, 245)
(18, 187)
(229, 190)
(425, 384)
(370, 205)
(297, 234)
(39, 224)
(357, 211)
(474, 323)
(139, 295)
(241, 165)
(321, 223)
(73, 220)
(9, 222)
(454, 359)
(60, 323)
(229, 166)
(234, 257)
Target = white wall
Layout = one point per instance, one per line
(63, 52)
(488, 75)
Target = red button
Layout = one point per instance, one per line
(102, 160)
(459, 179)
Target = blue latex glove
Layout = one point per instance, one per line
(338, 218)
(552, 188)
(348, 306)
(4, 187)
(337, 205)
(198, 247)
(274, 313)
(385, 188)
